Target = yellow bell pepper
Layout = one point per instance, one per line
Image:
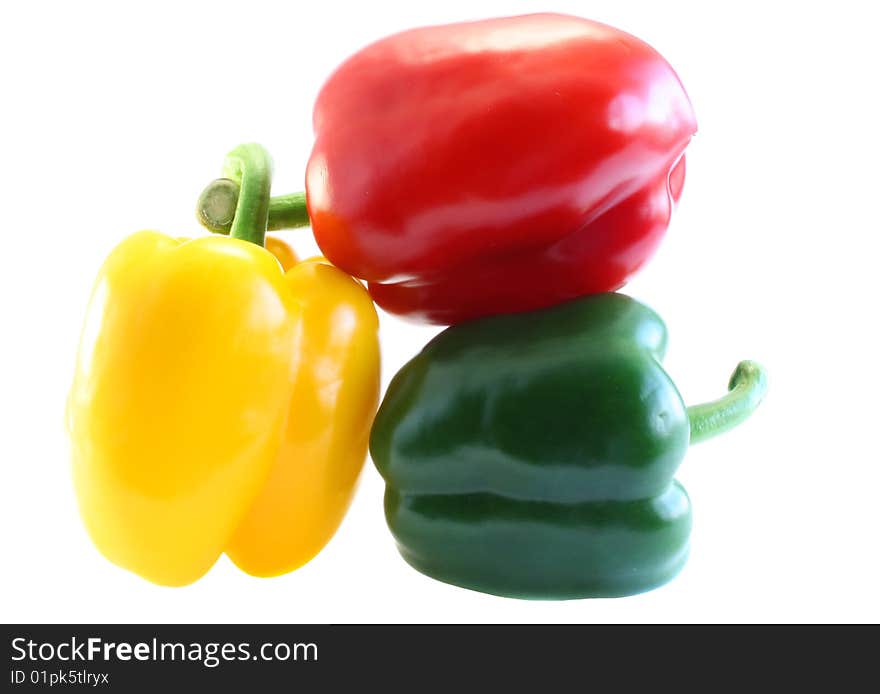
(219, 403)
(333, 401)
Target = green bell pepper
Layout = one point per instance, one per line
(532, 455)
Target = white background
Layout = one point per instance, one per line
(115, 116)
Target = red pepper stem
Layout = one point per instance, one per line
(288, 212)
(238, 204)
(746, 389)
(216, 208)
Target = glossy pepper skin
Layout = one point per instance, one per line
(497, 166)
(204, 374)
(335, 391)
(533, 455)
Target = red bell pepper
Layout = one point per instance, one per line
(496, 166)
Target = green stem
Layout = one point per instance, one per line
(239, 203)
(217, 208)
(746, 389)
(288, 212)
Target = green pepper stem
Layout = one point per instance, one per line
(216, 208)
(746, 389)
(239, 203)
